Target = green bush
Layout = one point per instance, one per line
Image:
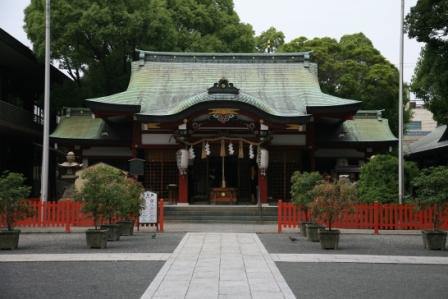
(431, 190)
(101, 192)
(331, 200)
(12, 193)
(302, 185)
(132, 198)
(379, 179)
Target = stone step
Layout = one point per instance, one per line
(221, 214)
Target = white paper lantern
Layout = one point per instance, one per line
(263, 160)
(182, 160)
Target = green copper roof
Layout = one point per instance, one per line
(366, 126)
(366, 130)
(437, 139)
(79, 127)
(278, 84)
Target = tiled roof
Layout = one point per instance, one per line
(278, 84)
(366, 126)
(438, 138)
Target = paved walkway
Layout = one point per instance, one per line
(359, 258)
(219, 265)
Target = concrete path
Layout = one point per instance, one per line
(219, 265)
(360, 258)
(84, 257)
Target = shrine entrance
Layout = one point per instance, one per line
(205, 177)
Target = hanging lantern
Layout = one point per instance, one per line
(263, 160)
(182, 160)
(241, 150)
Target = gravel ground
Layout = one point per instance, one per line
(335, 280)
(410, 245)
(141, 242)
(76, 279)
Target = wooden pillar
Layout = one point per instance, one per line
(311, 144)
(183, 189)
(263, 187)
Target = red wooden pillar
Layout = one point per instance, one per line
(183, 189)
(263, 187)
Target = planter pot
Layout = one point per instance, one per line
(126, 228)
(312, 232)
(434, 240)
(113, 231)
(96, 238)
(303, 227)
(9, 239)
(329, 239)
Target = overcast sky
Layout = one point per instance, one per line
(377, 19)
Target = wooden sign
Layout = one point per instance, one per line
(149, 211)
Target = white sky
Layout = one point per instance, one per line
(377, 19)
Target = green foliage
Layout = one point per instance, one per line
(12, 193)
(132, 198)
(431, 189)
(101, 191)
(331, 200)
(427, 22)
(269, 40)
(302, 185)
(379, 179)
(353, 68)
(95, 40)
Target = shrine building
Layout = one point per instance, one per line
(224, 127)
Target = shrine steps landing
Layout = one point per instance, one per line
(221, 213)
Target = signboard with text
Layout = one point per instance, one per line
(149, 211)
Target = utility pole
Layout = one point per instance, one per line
(400, 112)
(45, 149)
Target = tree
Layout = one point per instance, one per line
(131, 192)
(431, 189)
(427, 22)
(95, 40)
(352, 68)
(100, 191)
(331, 200)
(12, 193)
(302, 186)
(269, 40)
(379, 179)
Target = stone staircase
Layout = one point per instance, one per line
(221, 214)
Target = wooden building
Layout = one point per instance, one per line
(21, 111)
(224, 127)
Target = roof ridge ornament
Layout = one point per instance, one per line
(223, 86)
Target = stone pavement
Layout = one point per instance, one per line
(219, 265)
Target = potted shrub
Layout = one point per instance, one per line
(13, 207)
(431, 190)
(302, 185)
(98, 192)
(113, 203)
(331, 200)
(132, 204)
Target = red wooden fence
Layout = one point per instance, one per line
(365, 216)
(68, 213)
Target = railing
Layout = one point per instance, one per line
(68, 213)
(18, 117)
(365, 216)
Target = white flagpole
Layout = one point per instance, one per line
(45, 149)
(400, 113)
